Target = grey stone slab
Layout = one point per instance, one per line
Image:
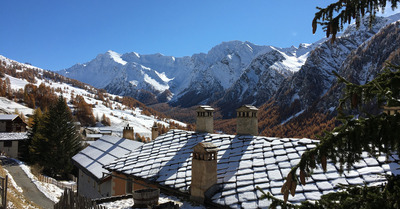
(246, 188)
(244, 183)
(274, 175)
(247, 196)
(245, 177)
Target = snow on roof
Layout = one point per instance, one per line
(103, 151)
(244, 162)
(8, 117)
(13, 136)
(94, 135)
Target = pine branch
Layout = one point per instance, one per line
(345, 144)
(334, 16)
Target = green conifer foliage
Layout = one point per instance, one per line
(334, 16)
(33, 146)
(54, 140)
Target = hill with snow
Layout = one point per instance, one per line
(120, 115)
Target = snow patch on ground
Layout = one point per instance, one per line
(11, 179)
(127, 203)
(10, 107)
(50, 190)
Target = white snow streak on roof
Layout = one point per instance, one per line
(13, 136)
(8, 117)
(104, 151)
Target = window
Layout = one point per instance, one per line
(129, 186)
(7, 143)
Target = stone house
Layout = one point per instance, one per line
(12, 123)
(93, 180)
(12, 135)
(222, 170)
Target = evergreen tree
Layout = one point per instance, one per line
(54, 140)
(35, 146)
(63, 139)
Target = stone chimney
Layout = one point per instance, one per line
(391, 110)
(154, 131)
(128, 133)
(247, 122)
(205, 119)
(204, 170)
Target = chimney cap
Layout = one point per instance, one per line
(205, 147)
(205, 108)
(247, 107)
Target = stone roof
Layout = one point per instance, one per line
(103, 151)
(244, 162)
(13, 136)
(8, 117)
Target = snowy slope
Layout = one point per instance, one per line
(315, 79)
(316, 73)
(119, 114)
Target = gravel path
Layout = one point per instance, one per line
(30, 190)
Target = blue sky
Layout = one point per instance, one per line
(58, 34)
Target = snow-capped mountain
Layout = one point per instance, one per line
(260, 80)
(185, 81)
(231, 73)
(119, 114)
(358, 55)
(362, 65)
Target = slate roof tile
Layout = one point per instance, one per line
(324, 185)
(314, 195)
(249, 204)
(356, 180)
(244, 182)
(246, 188)
(232, 200)
(298, 197)
(274, 174)
(247, 196)
(340, 180)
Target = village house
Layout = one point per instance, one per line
(224, 170)
(93, 180)
(12, 123)
(12, 135)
